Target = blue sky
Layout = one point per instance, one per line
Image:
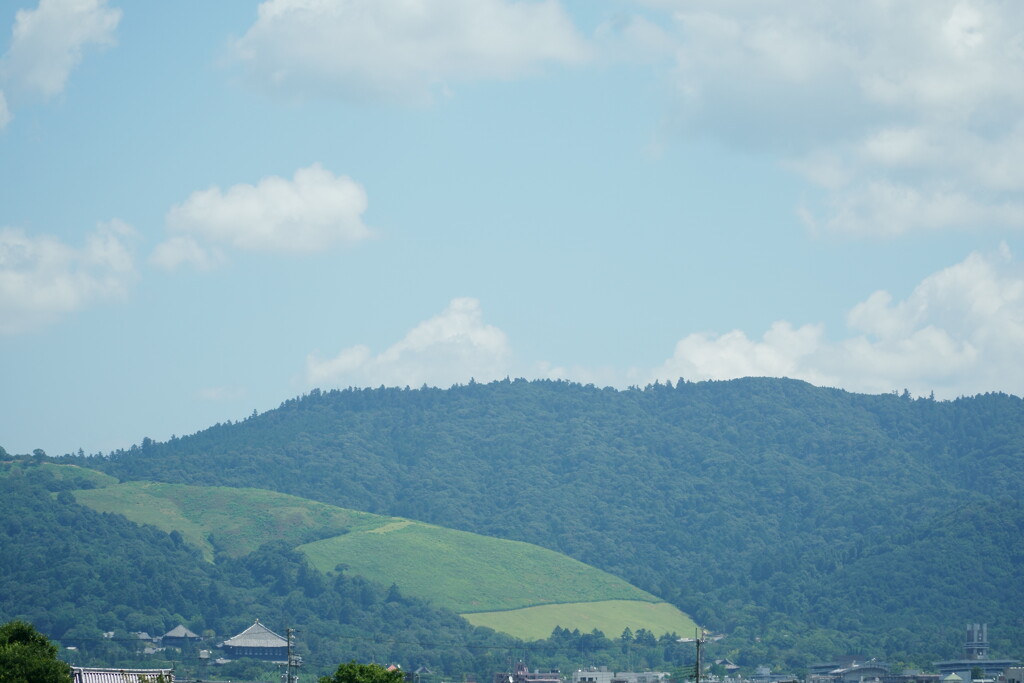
(208, 208)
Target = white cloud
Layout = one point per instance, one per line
(889, 108)
(42, 278)
(402, 50)
(958, 333)
(5, 113)
(449, 348)
(886, 208)
(313, 211)
(633, 37)
(48, 42)
(780, 353)
(176, 251)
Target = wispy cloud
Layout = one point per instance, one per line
(905, 116)
(43, 278)
(48, 42)
(405, 51)
(5, 113)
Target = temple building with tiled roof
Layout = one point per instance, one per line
(90, 675)
(257, 641)
(178, 634)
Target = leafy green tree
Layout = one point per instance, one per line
(26, 656)
(354, 672)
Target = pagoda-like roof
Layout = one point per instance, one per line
(256, 635)
(180, 631)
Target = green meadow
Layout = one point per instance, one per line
(514, 587)
(609, 616)
(234, 521)
(468, 572)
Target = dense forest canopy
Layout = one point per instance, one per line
(93, 581)
(805, 522)
(802, 522)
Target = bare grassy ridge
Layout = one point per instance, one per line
(510, 586)
(468, 572)
(237, 520)
(609, 616)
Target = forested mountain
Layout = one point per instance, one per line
(805, 522)
(91, 580)
(76, 574)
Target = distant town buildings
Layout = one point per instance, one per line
(92, 675)
(259, 642)
(601, 674)
(852, 671)
(521, 674)
(975, 658)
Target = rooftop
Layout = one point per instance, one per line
(256, 635)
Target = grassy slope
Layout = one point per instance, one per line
(240, 520)
(610, 616)
(468, 572)
(507, 585)
(62, 472)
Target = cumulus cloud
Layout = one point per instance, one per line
(313, 211)
(890, 109)
(42, 278)
(780, 353)
(452, 347)
(402, 50)
(958, 333)
(49, 41)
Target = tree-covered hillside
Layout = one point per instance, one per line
(806, 522)
(76, 574)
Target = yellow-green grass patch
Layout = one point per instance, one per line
(467, 572)
(511, 586)
(611, 617)
(62, 471)
(240, 520)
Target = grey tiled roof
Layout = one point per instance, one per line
(84, 675)
(256, 635)
(180, 631)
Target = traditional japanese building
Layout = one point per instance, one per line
(86, 675)
(258, 642)
(178, 636)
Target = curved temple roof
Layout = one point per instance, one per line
(256, 635)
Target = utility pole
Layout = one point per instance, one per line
(289, 676)
(699, 640)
